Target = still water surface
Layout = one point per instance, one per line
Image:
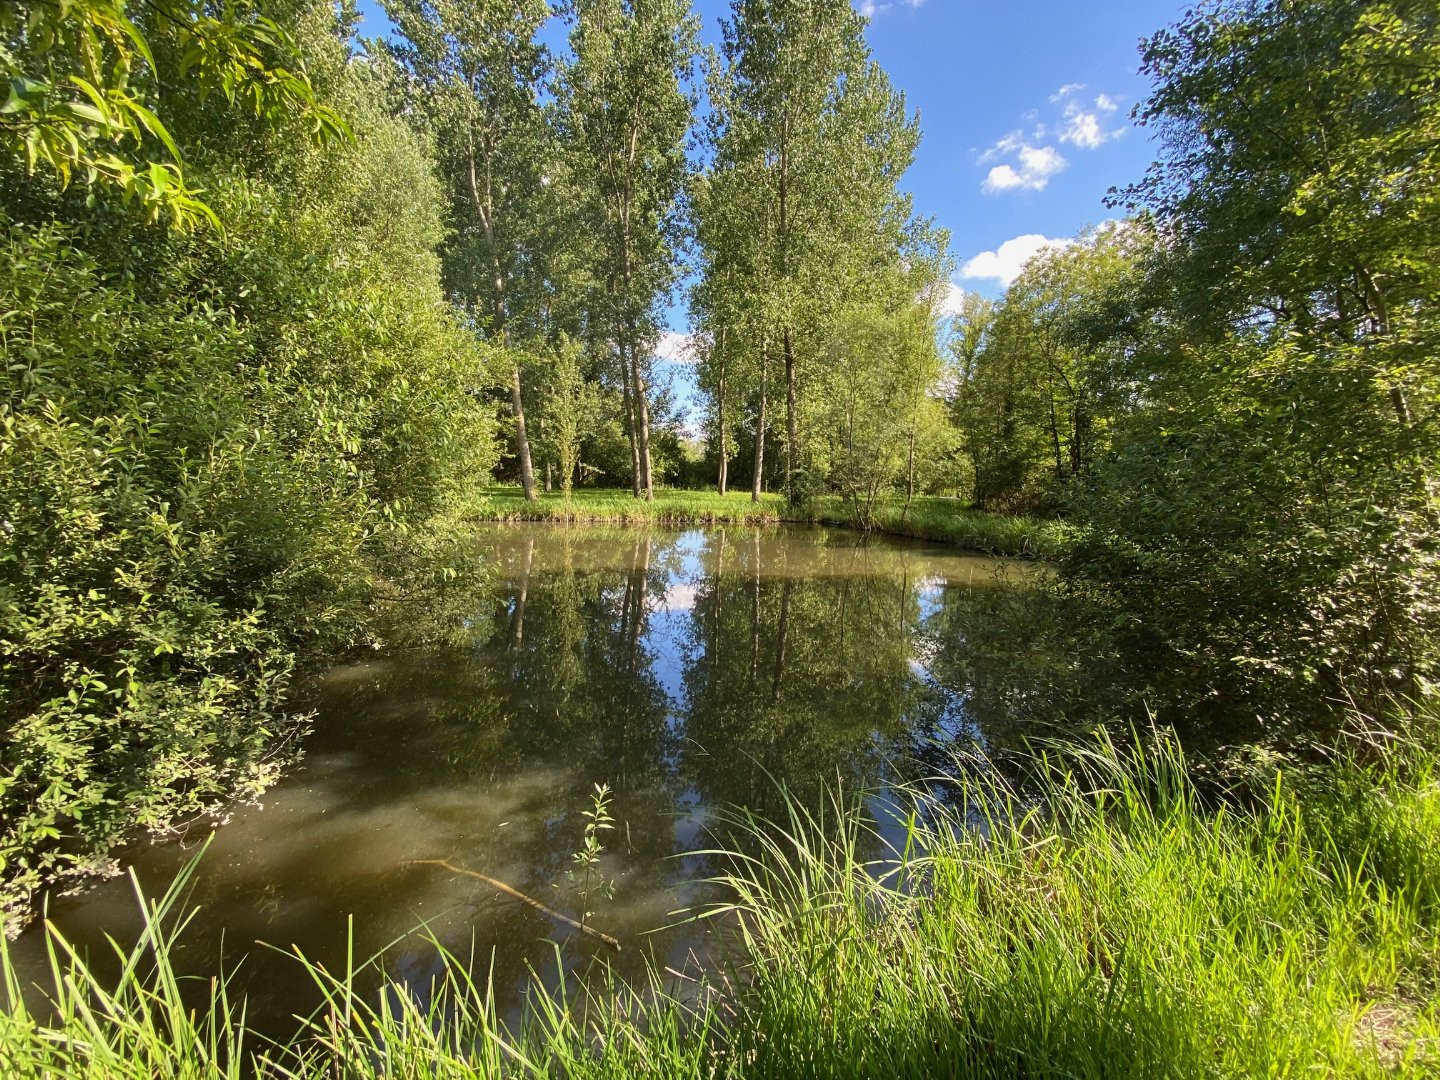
(688, 670)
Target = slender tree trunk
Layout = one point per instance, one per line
(517, 403)
(1380, 317)
(760, 430)
(642, 413)
(1055, 436)
(720, 425)
(638, 417)
(909, 480)
(517, 628)
(791, 447)
(1080, 443)
(784, 637)
(547, 478)
(787, 339)
(644, 481)
(724, 468)
(522, 441)
(630, 425)
(484, 208)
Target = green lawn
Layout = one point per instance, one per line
(946, 521)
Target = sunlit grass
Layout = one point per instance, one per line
(943, 520)
(1110, 923)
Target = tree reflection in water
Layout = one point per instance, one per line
(688, 670)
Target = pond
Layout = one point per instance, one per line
(688, 670)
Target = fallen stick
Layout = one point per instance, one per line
(518, 895)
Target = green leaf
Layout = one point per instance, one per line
(25, 94)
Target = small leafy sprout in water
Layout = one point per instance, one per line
(586, 860)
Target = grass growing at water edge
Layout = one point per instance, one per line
(942, 520)
(1107, 924)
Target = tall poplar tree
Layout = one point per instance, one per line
(626, 112)
(478, 73)
(809, 142)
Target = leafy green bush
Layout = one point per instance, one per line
(212, 448)
(138, 665)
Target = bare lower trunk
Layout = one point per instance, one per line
(909, 481)
(630, 426)
(724, 457)
(522, 441)
(642, 413)
(760, 435)
(1401, 405)
(791, 449)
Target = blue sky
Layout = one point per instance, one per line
(1024, 108)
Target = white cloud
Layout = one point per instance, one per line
(871, 8)
(1031, 170)
(1005, 262)
(1007, 145)
(1084, 123)
(1023, 160)
(1083, 130)
(680, 597)
(676, 348)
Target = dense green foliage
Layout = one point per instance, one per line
(1125, 930)
(1235, 395)
(1036, 390)
(84, 90)
(1274, 497)
(816, 278)
(210, 447)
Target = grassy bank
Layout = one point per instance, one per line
(946, 521)
(1128, 931)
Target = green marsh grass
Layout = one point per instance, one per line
(1107, 923)
(942, 520)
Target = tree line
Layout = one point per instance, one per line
(580, 186)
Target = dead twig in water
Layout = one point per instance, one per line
(518, 895)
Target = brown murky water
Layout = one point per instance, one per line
(688, 670)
